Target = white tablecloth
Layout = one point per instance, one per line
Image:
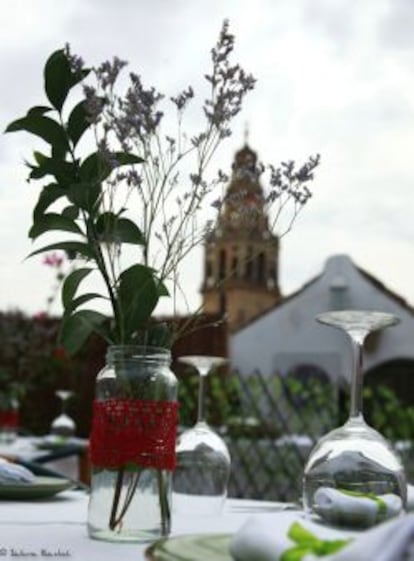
(56, 529)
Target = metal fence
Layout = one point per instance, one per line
(270, 425)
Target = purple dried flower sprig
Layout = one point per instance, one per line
(147, 183)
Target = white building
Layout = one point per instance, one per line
(276, 334)
(287, 338)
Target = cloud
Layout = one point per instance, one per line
(336, 21)
(396, 25)
(26, 23)
(333, 76)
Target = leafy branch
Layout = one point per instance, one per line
(129, 191)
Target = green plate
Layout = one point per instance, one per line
(199, 547)
(41, 488)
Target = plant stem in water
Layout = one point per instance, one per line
(115, 518)
(117, 495)
(164, 506)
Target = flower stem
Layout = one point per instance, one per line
(164, 505)
(132, 487)
(113, 522)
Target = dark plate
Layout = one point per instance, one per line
(41, 488)
(197, 547)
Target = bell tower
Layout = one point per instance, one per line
(241, 253)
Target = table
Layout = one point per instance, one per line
(56, 529)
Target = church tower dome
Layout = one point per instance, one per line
(241, 252)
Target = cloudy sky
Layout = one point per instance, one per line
(333, 76)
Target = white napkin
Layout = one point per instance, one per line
(265, 538)
(258, 540)
(11, 473)
(389, 541)
(338, 507)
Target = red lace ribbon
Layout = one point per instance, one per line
(9, 418)
(141, 432)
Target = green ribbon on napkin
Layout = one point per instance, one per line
(382, 507)
(309, 543)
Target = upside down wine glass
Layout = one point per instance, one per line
(203, 460)
(63, 425)
(353, 477)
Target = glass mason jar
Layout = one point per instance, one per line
(132, 445)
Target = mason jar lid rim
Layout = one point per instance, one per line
(140, 350)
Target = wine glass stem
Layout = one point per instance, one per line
(201, 414)
(357, 378)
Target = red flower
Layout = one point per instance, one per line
(60, 353)
(40, 316)
(53, 260)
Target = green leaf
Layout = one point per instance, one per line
(49, 194)
(126, 159)
(52, 221)
(97, 167)
(138, 296)
(82, 249)
(113, 229)
(39, 157)
(71, 284)
(84, 195)
(58, 78)
(129, 232)
(78, 122)
(39, 110)
(44, 127)
(64, 172)
(94, 168)
(36, 173)
(71, 211)
(77, 327)
(76, 302)
(162, 289)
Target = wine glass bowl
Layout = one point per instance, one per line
(203, 460)
(63, 425)
(202, 472)
(353, 477)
